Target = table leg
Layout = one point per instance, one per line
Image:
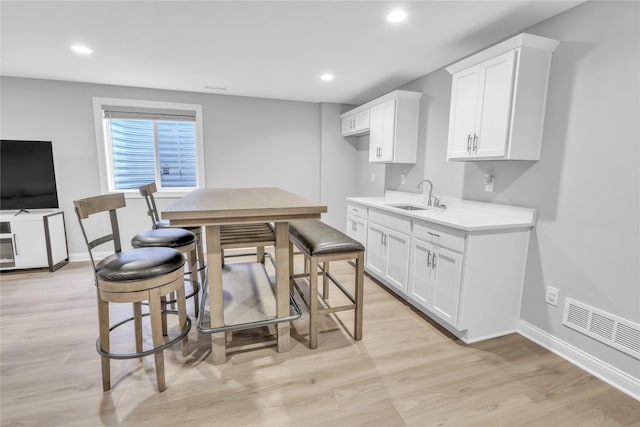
(216, 296)
(282, 284)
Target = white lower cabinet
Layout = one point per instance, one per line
(387, 254)
(435, 281)
(468, 281)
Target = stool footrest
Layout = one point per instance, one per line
(149, 352)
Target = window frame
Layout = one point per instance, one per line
(105, 157)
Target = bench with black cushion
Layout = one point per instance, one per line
(320, 244)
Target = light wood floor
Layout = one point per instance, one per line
(406, 371)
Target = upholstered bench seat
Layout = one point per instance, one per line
(317, 238)
(322, 244)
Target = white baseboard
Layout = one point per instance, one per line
(84, 256)
(607, 373)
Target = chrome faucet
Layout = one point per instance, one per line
(428, 200)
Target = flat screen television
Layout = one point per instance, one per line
(27, 177)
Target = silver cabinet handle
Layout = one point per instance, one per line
(15, 245)
(475, 143)
(428, 256)
(469, 143)
(433, 234)
(433, 261)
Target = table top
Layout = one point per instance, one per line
(232, 205)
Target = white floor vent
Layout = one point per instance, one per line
(612, 330)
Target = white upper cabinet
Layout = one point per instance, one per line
(355, 123)
(381, 135)
(392, 124)
(498, 100)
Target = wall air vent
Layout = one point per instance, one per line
(612, 330)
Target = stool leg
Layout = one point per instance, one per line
(193, 269)
(155, 312)
(201, 257)
(359, 296)
(137, 325)
(313, 303)
(260, 253)
(182, 319)
(325, 280)
(163, 304)
(103, 321)
(291, 269)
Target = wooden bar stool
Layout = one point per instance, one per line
(183, 241)
(133, 276)
(321, 244)
(147, 192)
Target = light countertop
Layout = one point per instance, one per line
(460, 214)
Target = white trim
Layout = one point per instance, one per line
(84, 256)
(607, 373)
(522, 40)
(103, 148)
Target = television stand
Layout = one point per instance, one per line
(33, 239)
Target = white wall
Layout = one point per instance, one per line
(338, 171)
(586, 187)
(248, 142)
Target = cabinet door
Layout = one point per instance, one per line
(397, 247)
(29, 244)
(357, 229)
(361, 121)
(347, 125)
(464, 105)
(421, 284)
(382, 132)
(361, 231)
(376, 253)
(495, 107)
(446, 274)
(376, 131)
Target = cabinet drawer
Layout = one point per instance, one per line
(443, 236)
(394, 222)
(357, 211)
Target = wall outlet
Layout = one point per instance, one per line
(403, 179)
(488, 183)
(552, 296)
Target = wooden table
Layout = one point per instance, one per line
(212, 207)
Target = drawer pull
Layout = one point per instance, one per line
(433, 234)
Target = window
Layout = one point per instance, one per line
(142, 142)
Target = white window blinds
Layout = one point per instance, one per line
(151, 145)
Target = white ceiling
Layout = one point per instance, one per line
(268, 49)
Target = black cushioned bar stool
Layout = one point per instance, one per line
(133, 276)
(183, 241)
(147, 192)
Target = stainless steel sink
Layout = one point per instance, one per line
(410, 207)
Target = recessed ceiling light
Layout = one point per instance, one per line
(82, 49)
(397, 16)
(326, 77)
